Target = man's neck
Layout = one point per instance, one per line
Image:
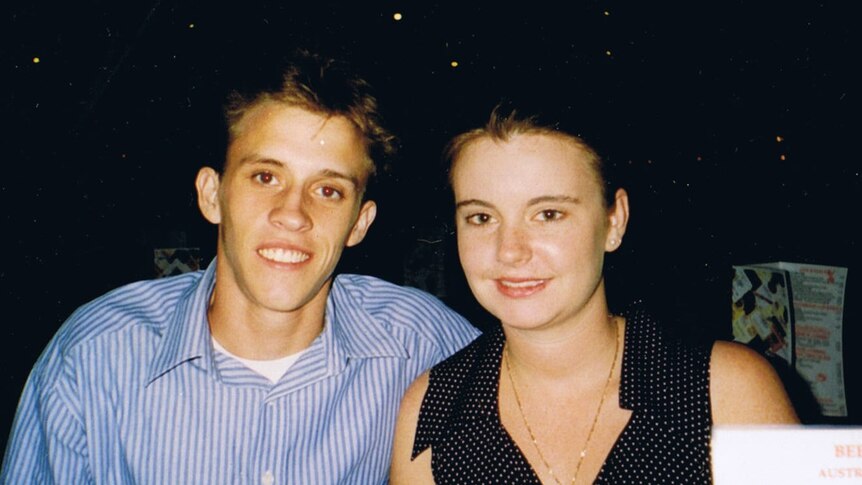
(261, 334)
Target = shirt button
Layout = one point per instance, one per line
(267, 478)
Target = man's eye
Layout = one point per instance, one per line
(265, 178)
(330, 192)
(478, 219)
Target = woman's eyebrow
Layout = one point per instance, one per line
(478, 202)
(554, 198)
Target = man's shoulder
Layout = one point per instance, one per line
(399, 306)
(145, 302)
(376, 294)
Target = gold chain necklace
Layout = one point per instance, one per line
(595, 418)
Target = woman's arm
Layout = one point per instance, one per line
(745, 389)
(404, 470)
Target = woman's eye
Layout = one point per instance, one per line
(550, 215)
(265, 178)
(478, 219)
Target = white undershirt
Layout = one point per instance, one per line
(271, 369)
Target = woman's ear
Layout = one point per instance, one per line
(207, 184)
(618, 218)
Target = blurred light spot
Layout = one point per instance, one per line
(454, 63)
(607, 13)
(191, 26)
(783, 157)
(779, 138)
(36, 60)
(397, 16)
(608, 52)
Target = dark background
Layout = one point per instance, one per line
(104, 134)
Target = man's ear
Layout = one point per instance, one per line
(360, 228)
(207, 184)
(618, 219)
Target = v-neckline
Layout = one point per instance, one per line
(499, 342)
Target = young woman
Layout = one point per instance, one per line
(563, 391)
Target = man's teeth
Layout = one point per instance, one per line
(521, 284)
(283, 255)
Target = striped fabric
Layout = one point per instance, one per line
(130, 390)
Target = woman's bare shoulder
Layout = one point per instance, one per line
(745, 389)
(405, 469)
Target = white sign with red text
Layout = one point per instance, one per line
(786, 455)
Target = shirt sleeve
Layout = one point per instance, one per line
(47, 444)
(456, 333)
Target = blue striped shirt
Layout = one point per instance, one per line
(130, 390)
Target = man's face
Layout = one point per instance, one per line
(289, 201)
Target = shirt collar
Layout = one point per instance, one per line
(187, 336)
(354, 331)
(351, 331)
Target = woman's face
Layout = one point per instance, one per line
(533, 228)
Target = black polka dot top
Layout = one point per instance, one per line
(664, 382)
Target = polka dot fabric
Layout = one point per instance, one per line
(664, 382)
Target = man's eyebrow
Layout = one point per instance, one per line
(343, 176)
(254, 159)
(327, 172)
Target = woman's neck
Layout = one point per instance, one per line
(577, 354)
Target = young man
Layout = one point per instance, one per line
(263, 368)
